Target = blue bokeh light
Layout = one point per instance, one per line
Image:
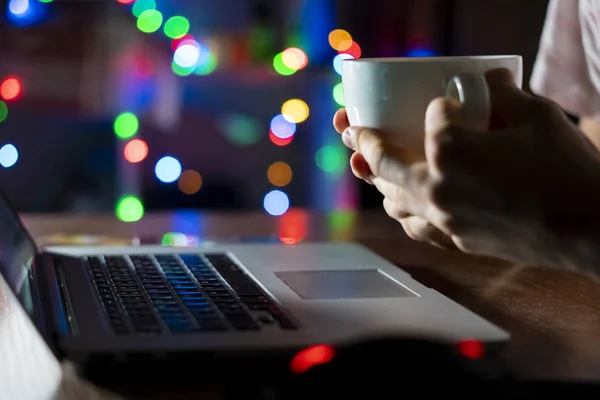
(276, 202)
(337, 61)
(8, 155)
(282, 128)
(168, 169)
(421, 53)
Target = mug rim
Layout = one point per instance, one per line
(395, 60)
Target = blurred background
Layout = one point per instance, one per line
(132, 106)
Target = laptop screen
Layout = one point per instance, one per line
(17, 251)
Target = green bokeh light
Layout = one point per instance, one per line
(338, 94)
(149, 21)
(181, 71)
(174, 239)
(280, 67)
(176, 27)
(208, 66)
(3, 111)
(130, 209)
(241, 130)
(142, 5)
(46, 1)
(331, 159)
(340, 220)
(126, 125)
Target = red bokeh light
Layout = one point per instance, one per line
(176, 42)
(125, 1)
(472, 349)
(311, 356)
(135, 151)
(293, 226)
(10, 88)
(354, 50)
(279, 141)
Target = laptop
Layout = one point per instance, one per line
(156, 302)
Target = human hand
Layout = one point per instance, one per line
(525, 192)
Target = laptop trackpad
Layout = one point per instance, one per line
(343, 284)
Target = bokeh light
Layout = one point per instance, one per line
(294, 58)
(276, 202)
(338, 94)
(279, 141)
(176, 42)
(177, 239)
(10, 88)
(331, 159)
(136, 151)
(337, 62)
(340, 39)
(126, 125)
(280, 66)
(420, 53)
(130, 209)
(295, 110)
(279, 174)
(149, 21)
(208, 66)
(46, 1)
(293, 226)
(241, 130)
(181, 71)
(142, 5)
(126, 1)
(168, 169)
(187, 55)
(8, 155)
(354, 50)
(3, 111)
(176, 27)
(282, 128)
(18, 7)
(189, 182)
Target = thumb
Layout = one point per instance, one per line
(509, 104)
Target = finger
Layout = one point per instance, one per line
(393, 210)
(360, 168)
(420, 229)
(400, 197)
(385, 160)
(340, 120)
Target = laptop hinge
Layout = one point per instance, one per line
(53, 318)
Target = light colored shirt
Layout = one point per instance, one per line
(567, 68)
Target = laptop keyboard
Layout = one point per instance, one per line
(185, 293)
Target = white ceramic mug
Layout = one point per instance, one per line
(393, 93)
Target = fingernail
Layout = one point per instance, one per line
(347, 139)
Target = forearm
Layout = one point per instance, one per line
(591, 129)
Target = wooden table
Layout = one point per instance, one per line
(554, 316)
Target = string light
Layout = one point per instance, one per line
(338, 94)
(3, 111)
(136, 151)
(142, 5)
(279, 174)
(150, 21)
(130, 209)
(337, 61)
(295, 110)
(10, 88)
(294, 58)
(126, 125)
(276, 202)
(176, 27)
(190, 182)
(340, 39)
(282, 128)
(8, 155)
(168, 169)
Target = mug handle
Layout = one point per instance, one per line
(472, 91)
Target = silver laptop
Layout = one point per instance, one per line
(223, 298)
